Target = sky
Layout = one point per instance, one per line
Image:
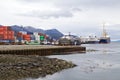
(80, 17)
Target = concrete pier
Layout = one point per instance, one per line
(42, 50)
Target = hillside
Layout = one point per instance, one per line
(53, 33)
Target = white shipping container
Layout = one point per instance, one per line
(16, 40)
(37, 38)
(22, 41)
(35, 33)
(23, 32)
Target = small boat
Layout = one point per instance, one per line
(105, 38)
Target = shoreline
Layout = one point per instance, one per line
(14, 67)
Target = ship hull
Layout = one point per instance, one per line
(104, 40)
(92, 42)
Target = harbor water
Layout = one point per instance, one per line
(102, 64)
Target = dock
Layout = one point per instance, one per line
(42, 50)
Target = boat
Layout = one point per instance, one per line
(89, 40)
(105, 38)
(69, 40)
(92, 40)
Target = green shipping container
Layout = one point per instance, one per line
(42, 38)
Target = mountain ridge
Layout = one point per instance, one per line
(53, 33)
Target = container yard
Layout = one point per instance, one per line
(8, 36)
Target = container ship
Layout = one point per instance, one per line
(105, 38)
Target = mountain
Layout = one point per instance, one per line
(32, 29)
(116, 41)
(17, 28)
(53, 33)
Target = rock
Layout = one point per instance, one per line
(19, 67)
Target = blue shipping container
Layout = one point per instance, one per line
(32, 37)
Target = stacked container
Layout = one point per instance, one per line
(37, 37)
(6, 33)
(32, 37)
(26, 37)
(23, 32)
(19, 36)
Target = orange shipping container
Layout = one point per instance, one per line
(26, 36)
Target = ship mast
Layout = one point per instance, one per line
(104, 31)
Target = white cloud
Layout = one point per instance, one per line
(75, 16)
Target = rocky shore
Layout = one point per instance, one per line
(14, 67)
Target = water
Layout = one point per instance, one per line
(103, 64)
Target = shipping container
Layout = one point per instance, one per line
(5, 28)
(40, 34)
(32, 37)
(23, 32)
(1, 32)
(35, 33)
(4, 40)
(4, 32)
(42, 38)
(19, 39)
(37, 38)
(26, 36)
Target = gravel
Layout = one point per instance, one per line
(14, 67)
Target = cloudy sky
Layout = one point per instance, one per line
(80, 17)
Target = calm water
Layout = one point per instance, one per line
(103, 64)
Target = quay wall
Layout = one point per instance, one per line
(40, 50)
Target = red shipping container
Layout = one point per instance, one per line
(1, 32)
(1, 36)
(10, 36)
(5, 37)
(5, 32)
(5, 28)
(19, 34)
(12, 32)
(1, 29)
(9, 32)
(26, 36)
